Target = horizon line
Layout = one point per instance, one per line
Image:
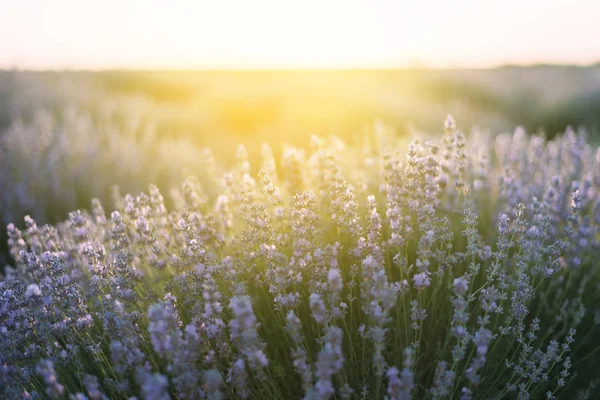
(407, 67)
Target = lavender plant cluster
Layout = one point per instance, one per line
(448, 268)
(59, 159)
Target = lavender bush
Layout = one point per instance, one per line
(55, 161)
(451, 268)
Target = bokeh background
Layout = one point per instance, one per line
(96, 94)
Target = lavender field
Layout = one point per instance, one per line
(155, 251)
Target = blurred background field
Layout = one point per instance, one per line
(69, 136)
(251, 106)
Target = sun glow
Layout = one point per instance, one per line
(283, 34)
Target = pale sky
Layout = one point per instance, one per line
(186, 34)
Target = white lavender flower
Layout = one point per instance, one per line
(33, 291)
(421, 280)
(461, 286)
(401, 384)
(243, 332)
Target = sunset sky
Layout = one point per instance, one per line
(186, 34)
